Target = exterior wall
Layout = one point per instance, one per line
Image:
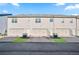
(77, 27)
(44, 23)
(66, 28)
(66, 24)
(17, 29)
(28, 25)
(25, 25)
(3, 24)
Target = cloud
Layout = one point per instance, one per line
(16, 4)
(4, 11)
(75, 14)
(70, 7)
(59, 4)
(40, 1)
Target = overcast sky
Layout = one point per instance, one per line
(40, 8)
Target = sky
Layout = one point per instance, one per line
(40, 8)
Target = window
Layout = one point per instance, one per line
(51, 20)
(62, 21)
(71, 21)
(38, 20)
(14, 20)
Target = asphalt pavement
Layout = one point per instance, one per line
(39, 48)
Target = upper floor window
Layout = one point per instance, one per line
(14, 20)
(71, 21)
(63, 21)
(38, 20)
(51, 20)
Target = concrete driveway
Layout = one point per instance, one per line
(7, 39)
(39, 39)
(43, 39)
(33, 39)
(71, 39)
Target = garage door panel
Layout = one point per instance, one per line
(77, 32)
(63, 33)
(39, 33)
(15, 32)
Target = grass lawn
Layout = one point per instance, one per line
(58, 40)
(20, 40)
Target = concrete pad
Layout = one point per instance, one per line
(7, 39)
(71, 39)
(39, 39)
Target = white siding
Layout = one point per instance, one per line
(27, 25)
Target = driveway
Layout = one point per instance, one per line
(33, 39)
(7, 39)
(42, 39)
(71, 39)
(39, 39)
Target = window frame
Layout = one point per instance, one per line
(51, 20)
(38, 20)
(14, 20)
(71, 21)
(63, 21)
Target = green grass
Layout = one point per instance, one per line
(58, 40)
(20, 40)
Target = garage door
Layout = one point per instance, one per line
(15, 32)
(39, 33)
(63, 33)
(77, 32)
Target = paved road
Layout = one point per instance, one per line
(39, 48)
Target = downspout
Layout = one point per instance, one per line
(76, 27)
(53, 26)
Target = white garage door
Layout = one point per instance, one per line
(15, 32)
(39, 33)
(63, 33)
(77, 32)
